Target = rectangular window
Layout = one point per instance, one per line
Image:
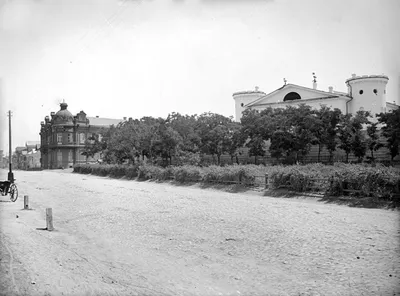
(82, 138)
(59, 156)
(59, 138)
(70, 155)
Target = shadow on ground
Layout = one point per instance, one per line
(359, 202)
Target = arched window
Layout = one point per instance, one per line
(292, 96)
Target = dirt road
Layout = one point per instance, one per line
(118, 237)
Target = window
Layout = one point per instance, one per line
(361, 92)
(375, 91)
(70, 155)
(59, 156)
(82, 138)
(59, 138)
(292, 96)
(70, 138)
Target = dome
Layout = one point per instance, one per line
(63, 115)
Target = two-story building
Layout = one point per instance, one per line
(63, 137)
(367, 92)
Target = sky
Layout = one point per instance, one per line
(135, 58)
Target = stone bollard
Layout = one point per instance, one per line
(26, 202)
(49, 219)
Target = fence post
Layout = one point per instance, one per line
(26, 202)
(49, 219)
(341, 186)
(266, 181)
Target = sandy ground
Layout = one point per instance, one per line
(119, 237)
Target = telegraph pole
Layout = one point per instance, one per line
(10, 173)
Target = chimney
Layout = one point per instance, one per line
(130, 118)
(125, 118)
(97, 116)
(353, 75)
(256, 88)
(331, 89)
(52, 114)
(314, 85)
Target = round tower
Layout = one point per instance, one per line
(243, 98)
(368, 93)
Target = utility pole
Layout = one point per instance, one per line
(10, 173)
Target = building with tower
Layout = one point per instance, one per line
(63, 137)
(366, 93)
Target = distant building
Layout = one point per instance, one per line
(363, 93)
(63, 137)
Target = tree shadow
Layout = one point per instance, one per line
(356, 202)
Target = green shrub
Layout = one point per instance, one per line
(148, 171)
(131, 172)
(187, 173)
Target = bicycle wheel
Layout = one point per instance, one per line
(13, 192)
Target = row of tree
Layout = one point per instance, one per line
(290, 132)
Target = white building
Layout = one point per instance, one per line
(366, 92)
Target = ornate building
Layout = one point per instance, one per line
(63, 137)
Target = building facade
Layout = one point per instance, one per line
(366, 93)
(63, 137)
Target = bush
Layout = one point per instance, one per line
(148, 171)
(187, 173)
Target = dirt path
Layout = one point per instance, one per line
(118, 237)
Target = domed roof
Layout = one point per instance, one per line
(63, 115)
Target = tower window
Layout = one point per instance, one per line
(242, 104)
(361, 92)
(292, 96)
(375, 91)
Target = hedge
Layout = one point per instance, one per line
(364, 180)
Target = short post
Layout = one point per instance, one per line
(26, 202)
(266, 181)
(49, 219)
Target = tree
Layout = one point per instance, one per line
(168, 142)
(391, 130)
(185, 125)
(373, 142)
(93, 146)
(359, 145)
(345, 134)
(326, 129)
(213, 130)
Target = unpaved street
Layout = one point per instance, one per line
(119, 237)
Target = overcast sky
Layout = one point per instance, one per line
(134, 58)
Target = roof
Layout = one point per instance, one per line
(63, 115)
(304, 100)
(98, 121)
(326, 94)
(393, 105)
(20, 148)
(32, 143)
(248, 92)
